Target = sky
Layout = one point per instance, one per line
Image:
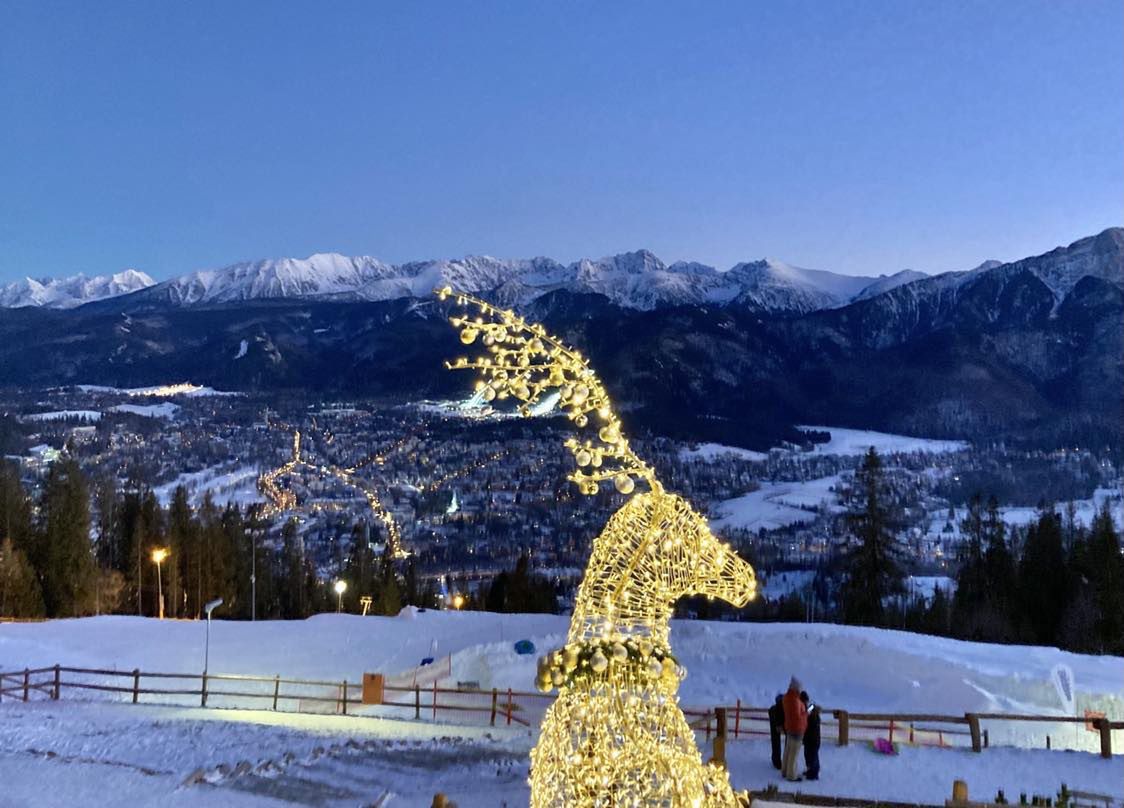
(861, 137)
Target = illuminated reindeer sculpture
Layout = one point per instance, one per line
(615, 736)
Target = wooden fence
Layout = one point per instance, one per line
(499, 706)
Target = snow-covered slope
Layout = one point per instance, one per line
(65, 293)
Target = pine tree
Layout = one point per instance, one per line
(873, 561)
(20, 595)
(971, 578)
(183, 549)
(1105, 573)
(1043, 574)
(63, 554)
(389, 601)
(15, 508)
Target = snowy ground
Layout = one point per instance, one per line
(858, 442)
(778, 504)
(226, 483)
(112, 755)
(142, 754)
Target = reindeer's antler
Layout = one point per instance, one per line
(524, 362)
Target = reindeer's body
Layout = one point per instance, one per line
(615, 736)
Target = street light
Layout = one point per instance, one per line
(158, 555)
(458, 601)
(209, 607)
(340, 587)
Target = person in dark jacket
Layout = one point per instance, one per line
(776, 729)
(811, 739)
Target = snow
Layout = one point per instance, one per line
(637, 280)
(66, 293)
(243, 346)
(782, 584)
(100, 753)
(1084, 511)
(225, 484)
(62, 415)
(851, 442)
(777, 504)
(165, 409)
(161, 390)
(709, 452)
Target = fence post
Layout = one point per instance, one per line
(136, 684)
(26, 682)
(974, 730)
(55, 694)
(434, 699)
(987, 739)
(509, 706)
(203, 692)
(844, 720)
(343, 701)
(417, 702)
(495, 698)
(1106, 737)
(737, 718)
(276, 690)
(719, 755)
(891, 730)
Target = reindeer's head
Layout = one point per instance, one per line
(655, 550)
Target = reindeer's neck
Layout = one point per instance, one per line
(610, 605)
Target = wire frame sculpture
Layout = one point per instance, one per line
(615, 736)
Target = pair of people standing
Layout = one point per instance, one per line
(794, 716)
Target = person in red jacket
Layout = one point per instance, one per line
(795, 724)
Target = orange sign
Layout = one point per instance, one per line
(1091, 717)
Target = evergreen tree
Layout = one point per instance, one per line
(362, 570)
(971, 578)
(15, 508)
(1105, 573)
(20, 595)
(294, 603)
(1043, 580)
(389, 601)
(873, 561)
(179, 573)
(63, 554)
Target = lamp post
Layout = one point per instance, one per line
(340, 587)
(158, 555)
(458, 600)
(209, 607)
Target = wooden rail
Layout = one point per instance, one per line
(515, 707)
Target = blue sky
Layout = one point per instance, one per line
(862, 137)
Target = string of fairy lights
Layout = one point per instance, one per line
(615, 735)
(282, 499)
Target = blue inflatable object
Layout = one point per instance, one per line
(427, 661)
(524, 647)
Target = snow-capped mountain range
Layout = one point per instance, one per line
(635, 280)
(66, 293)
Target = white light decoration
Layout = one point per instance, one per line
(615, 736)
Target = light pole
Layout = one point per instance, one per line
(209, 607)
(158, 555)
(340, 587)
